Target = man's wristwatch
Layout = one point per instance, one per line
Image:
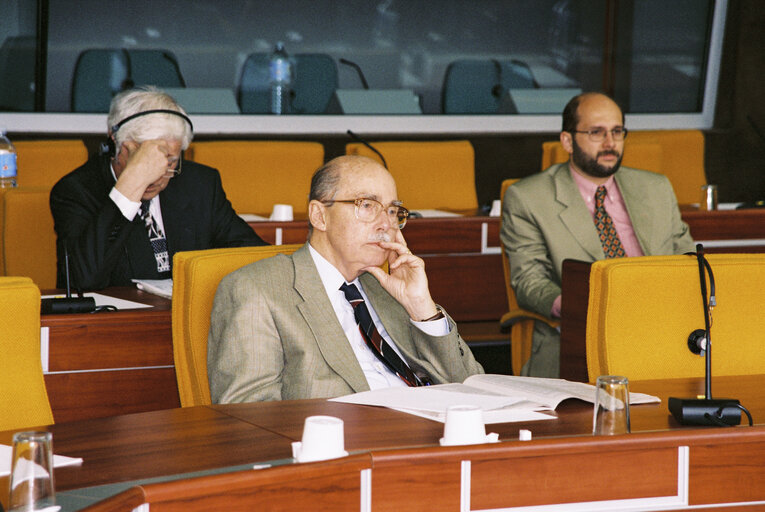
(438, 316)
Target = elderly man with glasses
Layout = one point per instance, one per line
(328, 320)
(126, 211)
(589, 208)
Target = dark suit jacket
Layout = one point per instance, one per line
(105, 249)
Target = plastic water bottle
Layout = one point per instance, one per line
(7, 162)
(280, 76)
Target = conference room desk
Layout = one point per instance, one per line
(113, 362)
(563, 463)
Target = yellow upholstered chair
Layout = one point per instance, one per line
(429, 175)
(23, 400)
(678, 154)
(641, 311)
(41, 163)
(196, 275)
(258, 174)
(28, 238)
(519, 321)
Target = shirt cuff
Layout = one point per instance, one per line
(128, 208)
(439, 327)
(555, 310)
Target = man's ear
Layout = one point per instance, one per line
(567, 142)
(317, 215)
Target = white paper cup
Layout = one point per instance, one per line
(323, 439)
(464, 425)
(281, 212)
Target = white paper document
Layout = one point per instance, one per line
(436, 213)
(105, 300)
(251, 217)
(161, 287)
(6, 452)
(503, 398)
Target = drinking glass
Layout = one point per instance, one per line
(31, 482)
(612, 406)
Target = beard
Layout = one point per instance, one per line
(590, 166)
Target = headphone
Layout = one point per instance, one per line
(109, 147)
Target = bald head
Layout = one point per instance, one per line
(590, 101)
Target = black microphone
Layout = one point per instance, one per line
(69, 304)
(721, 412)
(370, 146)
(358, 71)
(497, 90)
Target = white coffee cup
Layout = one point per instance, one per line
(464, 425)
(323, 439)
(281, 212)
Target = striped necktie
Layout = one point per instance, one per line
(376, 343)
(612, 246)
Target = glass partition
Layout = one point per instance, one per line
(443, 58)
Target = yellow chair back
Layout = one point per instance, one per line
(678, 154)
(641, 311)
(196, 275)
(28, 238)
(520, 321)
(42, 163)
(24, 400)
(256, 175)
(429, 175)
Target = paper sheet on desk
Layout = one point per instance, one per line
(431, 402)
(161, 287)
(105, 300)
(436, 213)
(6, 453)
(251, 217)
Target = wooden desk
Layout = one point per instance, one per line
(409, 469)
(115, 362)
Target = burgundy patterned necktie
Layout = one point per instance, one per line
(612, 246)
(379, 346)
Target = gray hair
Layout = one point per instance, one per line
(324, 184)
(153, 126)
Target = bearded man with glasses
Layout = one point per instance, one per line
(125, 212)
(327, 320)
(589, 208)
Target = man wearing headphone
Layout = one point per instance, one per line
(125, 212)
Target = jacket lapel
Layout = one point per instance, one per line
(320, 317)
(567, 194)
(177, 216)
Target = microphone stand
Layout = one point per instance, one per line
(68, 304)
(721, 412)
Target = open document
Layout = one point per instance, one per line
(503, 398)
(161, 287)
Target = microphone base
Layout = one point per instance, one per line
(67, 305)
(715, 412)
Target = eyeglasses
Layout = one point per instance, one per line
(368, 210)
(599, 134)
(174, 165)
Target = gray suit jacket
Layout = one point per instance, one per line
(545, 221)
(274, 336)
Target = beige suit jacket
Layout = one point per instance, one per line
(545, 221)
(274, 336)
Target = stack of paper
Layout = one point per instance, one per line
(503, 398)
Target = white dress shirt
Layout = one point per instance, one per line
(377, 374)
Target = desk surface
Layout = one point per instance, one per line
(167, 442)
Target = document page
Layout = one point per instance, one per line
(7, 451)
(161, 287)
